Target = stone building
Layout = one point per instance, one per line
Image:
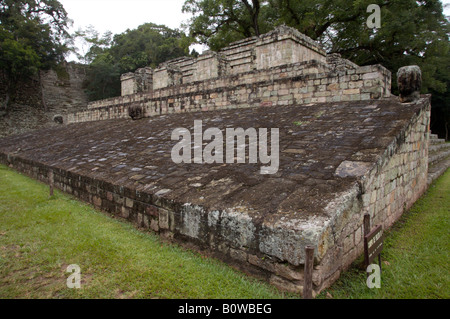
(347, 148)
(283, 67)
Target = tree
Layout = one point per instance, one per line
(411, 33)
(253, 11)
(217, 23)
(17, 60)
(103, 78)
(91, 43)
(33, 36)
(148, 45)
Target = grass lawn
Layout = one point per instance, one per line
(415, 258)
(41, 236)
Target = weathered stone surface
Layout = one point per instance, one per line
(409, 79)
(136, 112)
(353, 168)
(128, 83)
(140, 81)
(61, 91)
(58, 119)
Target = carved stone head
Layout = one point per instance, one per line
(409, 79)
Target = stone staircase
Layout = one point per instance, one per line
(65, 95)
(438, 158)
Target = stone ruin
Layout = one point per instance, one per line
(283, 67)
(347, 148)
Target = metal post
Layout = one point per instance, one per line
(366, 224)
(379, 261)
(366, 231)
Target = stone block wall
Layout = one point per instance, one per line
(140, 81)
(286, 46)
(208, 66)
(128, 84)
(61, 90)
(187, 66)
(167, 75)
(385, 192)
(282, 46)
(162, 77)
(399, 179)
(27, 92)
(240, 56)
(299, 83)
(337, 63)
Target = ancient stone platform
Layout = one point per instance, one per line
(282, 67)
(347, 148)
(338, 161)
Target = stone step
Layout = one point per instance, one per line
(437, 169)
(433, 136)
(438, 156)
(437, 141)
(438, 147)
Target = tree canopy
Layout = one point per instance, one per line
(33, 36)
(147, 45)
(217, 23)
(91, 44)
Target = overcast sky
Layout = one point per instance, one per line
(119, 15)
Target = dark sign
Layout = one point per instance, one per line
(373, 244)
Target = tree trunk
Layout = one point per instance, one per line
(256, 7)
(254, 13)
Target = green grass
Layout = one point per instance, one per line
(40, 236)
(415, 258)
